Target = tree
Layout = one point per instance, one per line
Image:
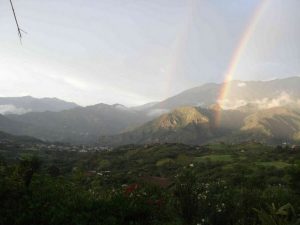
(27, 167)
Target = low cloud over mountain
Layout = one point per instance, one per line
(249, 108)
(21, 105)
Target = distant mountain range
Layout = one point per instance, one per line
(79, 125)
(21, 105)
(8, 138)
(264, 94)
(194, 125)
(262, 110)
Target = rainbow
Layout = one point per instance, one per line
(236, 56)
(179, 46)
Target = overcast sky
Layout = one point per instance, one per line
(136, 51)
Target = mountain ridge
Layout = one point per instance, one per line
(21, 105)
(79, 125)
(273, 126)
(240, 94)
(183, 123)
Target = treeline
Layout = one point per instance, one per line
(204, 193)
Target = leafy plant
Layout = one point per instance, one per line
(285, 215)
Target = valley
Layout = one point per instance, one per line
(161, 112)
(149, 184)
(173, 162)
(271, 115)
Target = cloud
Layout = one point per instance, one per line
(162, 70)
(229, 104)
(282, 99)
(76, 83)
(241, 84)
(157, 112)
(11, 109)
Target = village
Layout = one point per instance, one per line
(6, 144)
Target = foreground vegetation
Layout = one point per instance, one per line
(243, 184)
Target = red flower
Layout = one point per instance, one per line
(131, 188)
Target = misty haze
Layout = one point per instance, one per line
(159, 112)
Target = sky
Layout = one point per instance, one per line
(137, 51)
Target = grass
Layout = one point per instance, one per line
(277, 164)
(215, 158)
(217, 146)
(164, 161)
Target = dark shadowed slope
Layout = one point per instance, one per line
(80, 125)
(8, 138)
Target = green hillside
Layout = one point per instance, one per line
(152, 184)
(275, 123)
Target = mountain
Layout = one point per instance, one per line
(77, 125)
(188, 124)
(204, 95)
(260, 110)
(21, 105)
(194, 125)
(264, 94)
(8, 138)
(11, 126)
(279, 123)
(144, 107)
